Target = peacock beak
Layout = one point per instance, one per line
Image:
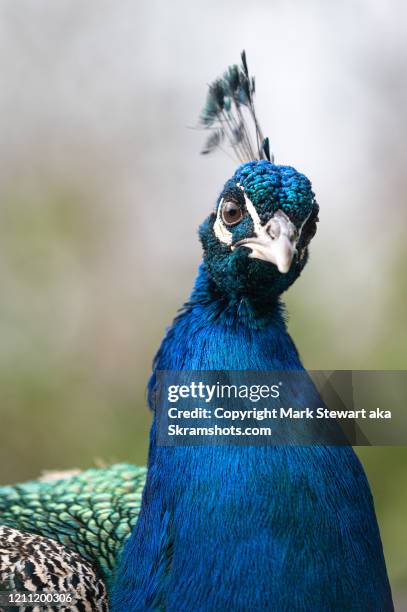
(274, 242)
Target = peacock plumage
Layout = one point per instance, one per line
(84, 518)
(92, 512)
(37, 565)
(287, 528)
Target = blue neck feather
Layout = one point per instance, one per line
(248, 527)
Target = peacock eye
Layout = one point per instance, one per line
(231, 213)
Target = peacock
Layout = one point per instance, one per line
(215, 527)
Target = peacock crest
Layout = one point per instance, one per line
(230, 116)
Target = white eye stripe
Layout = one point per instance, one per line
(219, 228)
(221, 232)
(253, 214)
(251, 210)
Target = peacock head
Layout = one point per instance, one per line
(256, 241)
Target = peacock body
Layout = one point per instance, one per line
(287, 528)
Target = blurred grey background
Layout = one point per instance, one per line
(102, 189)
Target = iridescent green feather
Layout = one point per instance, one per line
(92, 512)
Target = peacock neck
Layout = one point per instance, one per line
(198, 486)
(254, 311)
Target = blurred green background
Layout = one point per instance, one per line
(102, 189)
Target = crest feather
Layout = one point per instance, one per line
(229, 114)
